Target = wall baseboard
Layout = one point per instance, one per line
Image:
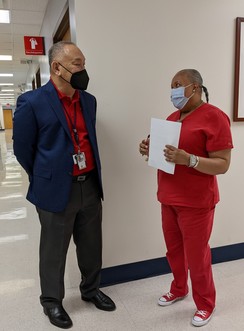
(159, 266)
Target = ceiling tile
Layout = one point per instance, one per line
(26, 29)
(5, 38)
(32, 17)
(33, 5)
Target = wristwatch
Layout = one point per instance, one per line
(193, 162)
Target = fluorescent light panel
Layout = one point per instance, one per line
(5, 94)
(6, 57)
(4, 16)
(6, 84)
(6, 75)
(5, 90)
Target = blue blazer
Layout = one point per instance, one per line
(43, 145)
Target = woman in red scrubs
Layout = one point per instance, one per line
(188, 197)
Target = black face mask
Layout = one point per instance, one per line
(79, 80)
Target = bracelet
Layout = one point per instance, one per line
(197, 162)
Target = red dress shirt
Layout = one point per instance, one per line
(73, 113)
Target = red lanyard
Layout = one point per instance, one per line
(73, 125)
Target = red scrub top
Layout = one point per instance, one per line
(207, 129)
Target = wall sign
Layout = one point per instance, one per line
(34, 45)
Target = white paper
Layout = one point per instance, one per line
(163, 133)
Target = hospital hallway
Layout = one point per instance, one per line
(136, 301)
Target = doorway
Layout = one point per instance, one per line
(8, 118)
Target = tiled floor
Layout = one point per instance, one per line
(137, 307)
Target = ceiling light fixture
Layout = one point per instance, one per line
(6, 84)
(6, 58)
(4, 16)
(6, 75)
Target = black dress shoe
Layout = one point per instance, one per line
(58, 317)
(101, 301)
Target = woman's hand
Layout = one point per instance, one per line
(176, 155)
(144, 147)
(217, 163)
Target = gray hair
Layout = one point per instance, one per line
(57, 49)
(195, 77)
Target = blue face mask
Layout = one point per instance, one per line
(178, 97)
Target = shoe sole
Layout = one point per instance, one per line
(168, 303)
(195, 323)
(56, 324)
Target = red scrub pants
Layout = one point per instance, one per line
(187, 231)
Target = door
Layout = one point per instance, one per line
(8, 118)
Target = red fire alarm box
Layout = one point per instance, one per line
(34, 45)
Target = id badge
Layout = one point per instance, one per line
(80, 160)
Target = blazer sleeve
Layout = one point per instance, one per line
(24, 133)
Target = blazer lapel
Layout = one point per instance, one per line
(56, 106)
(86, 115)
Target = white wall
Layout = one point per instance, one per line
(133, 48)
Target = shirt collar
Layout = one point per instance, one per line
(63, 96)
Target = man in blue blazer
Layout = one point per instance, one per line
(54, 140)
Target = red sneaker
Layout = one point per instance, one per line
(169, 298)
(201, 317)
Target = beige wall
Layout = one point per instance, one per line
(133, 48)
